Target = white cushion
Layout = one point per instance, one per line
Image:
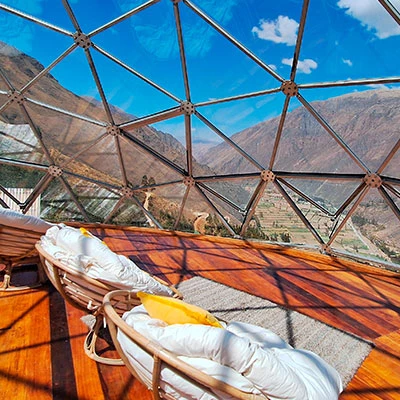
(255, 354)
(173, 384)
(89, 254)
(18, 220)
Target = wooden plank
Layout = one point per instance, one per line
(379, 375)
(25, 370)
(63, 377)
(88, 383)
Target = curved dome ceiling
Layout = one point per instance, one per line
(276, 121)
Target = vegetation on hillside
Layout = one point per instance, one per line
(17, 177)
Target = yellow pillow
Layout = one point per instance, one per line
(88, 234)
(174, 311)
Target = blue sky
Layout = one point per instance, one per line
(343, 39)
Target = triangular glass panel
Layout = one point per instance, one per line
(167, 138)
(129, 97)
(129, 213)
(237, 192)
(376, 227)
(233, 214)
(53, 12)
(198, 213)
(26, 47)
(268, 30)
(100, 160)
(362, 119)
(164, 203)
(203, 140)
(141, 36)
(18, 142)
(57, 204)
(71, 88)
(348, 239)
(330, 194)
(320, 210)
(306, 146)
(143, 62)
(246, 123)
(12, 176)
(348, 42)
(139, 162)
(152, 46)
(279, 222)
(63, 135)
(200, 217)
(216, 156)
(232, 72)
(97, 201)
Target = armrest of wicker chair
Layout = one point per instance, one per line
(121, 299)
(86, 294)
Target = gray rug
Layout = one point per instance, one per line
(343, 351)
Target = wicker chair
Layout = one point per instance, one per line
(119, 300)
(86, 294)
(18, 236)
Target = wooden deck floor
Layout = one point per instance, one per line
(41, 339)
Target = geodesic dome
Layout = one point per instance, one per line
(275, 121)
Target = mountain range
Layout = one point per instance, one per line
(67, 135)
(364, 120)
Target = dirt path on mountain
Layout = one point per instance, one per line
(200, 222)
(146, 207)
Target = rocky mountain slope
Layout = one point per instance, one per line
(66, 135)
(364, 120)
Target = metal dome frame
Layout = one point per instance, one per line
(267, 174)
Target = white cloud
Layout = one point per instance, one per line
(373, 16)
(306, 66)
(282, 30)
(233, 114)
(378, 86)
(264, 100)
(34, 7)
(158, 36)
(347, 62)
